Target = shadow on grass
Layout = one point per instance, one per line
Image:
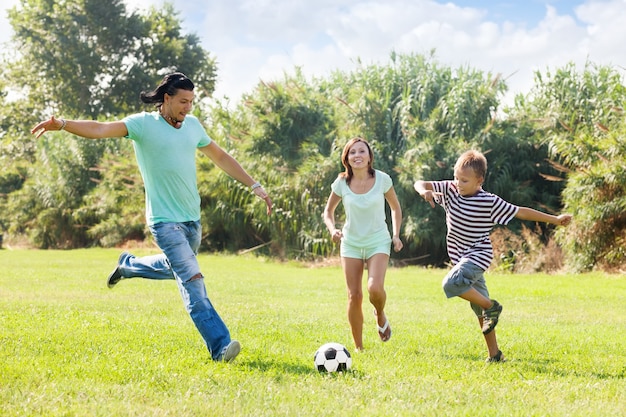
(283, 367)
(551, 367)
(270, 365)
(527, 367)
(450, 355)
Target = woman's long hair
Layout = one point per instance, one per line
(348, 174)
(170, 85)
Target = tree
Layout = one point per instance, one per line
(91, 58)
(418, 117)
(83, 59)
(580, 116)
(443, 111)
(283, 132)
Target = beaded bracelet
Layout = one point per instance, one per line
(63, 123)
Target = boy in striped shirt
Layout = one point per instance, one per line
(471, 213)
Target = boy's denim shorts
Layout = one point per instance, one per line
(461, 278)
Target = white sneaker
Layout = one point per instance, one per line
(230, 351)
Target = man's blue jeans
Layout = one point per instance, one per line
(179, 243)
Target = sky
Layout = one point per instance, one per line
(254, 40)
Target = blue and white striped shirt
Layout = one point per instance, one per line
(470, 220)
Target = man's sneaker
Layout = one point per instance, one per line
(490, 317)
(499, 357)
(116, 275)
(230, 351)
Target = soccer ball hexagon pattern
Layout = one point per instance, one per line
(332, 357)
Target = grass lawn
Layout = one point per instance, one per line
(69, 346)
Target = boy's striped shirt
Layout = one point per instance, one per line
(470, 220)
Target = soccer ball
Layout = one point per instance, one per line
(332, 357)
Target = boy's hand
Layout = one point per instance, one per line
(564, 219)
(431, 197)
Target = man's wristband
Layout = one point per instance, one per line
(255, 186)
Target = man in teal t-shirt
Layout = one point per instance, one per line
(169, 176)
(165, 143)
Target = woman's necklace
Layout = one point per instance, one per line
(361, 185)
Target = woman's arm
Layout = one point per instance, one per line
(396, 218)
(329, 216)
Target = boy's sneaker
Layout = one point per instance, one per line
(499, 357)
(116, 275)
(490, 317)
(230, 351)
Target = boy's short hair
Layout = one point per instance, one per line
(472, 159)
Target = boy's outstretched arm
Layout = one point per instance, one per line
(526, 213)
(426, 191)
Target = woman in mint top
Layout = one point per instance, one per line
(166, 142)
(364, 238)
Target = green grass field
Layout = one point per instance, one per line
(69, 346)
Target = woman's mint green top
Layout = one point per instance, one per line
(365, 224)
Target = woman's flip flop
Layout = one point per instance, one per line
(382, 331)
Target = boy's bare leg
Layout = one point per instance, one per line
(473, 296)
(490, 339)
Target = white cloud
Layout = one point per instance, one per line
(606, 31)
(263, 39)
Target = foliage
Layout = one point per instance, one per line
(291, 122)
(283, 133)
(580, 115)
(44, 206)
(558, 147)
(597, 197)
(91, 58)
(116, 206)
(84, 59)
(525, 251)
(417, 115)
(574, 109)
(445, 112)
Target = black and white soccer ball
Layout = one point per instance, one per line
(332, 357)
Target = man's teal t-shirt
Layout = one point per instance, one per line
(365, 213)
(167, 161)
